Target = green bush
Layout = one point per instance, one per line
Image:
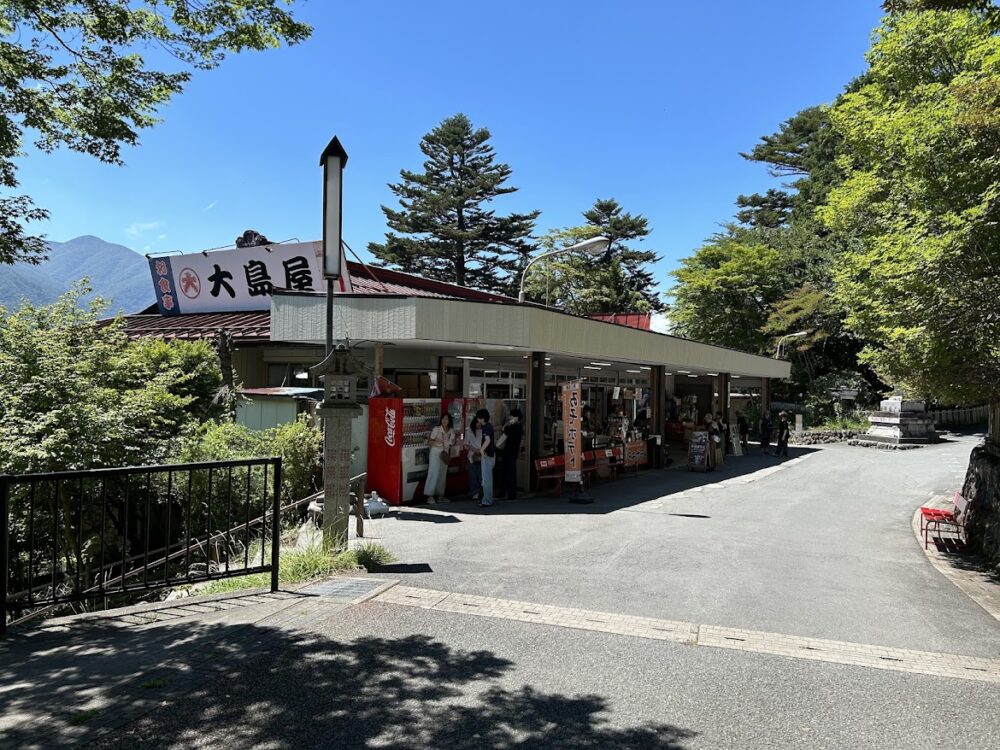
(372, 555)
(298, 444)
(298, 565)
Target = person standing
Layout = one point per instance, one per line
(438, 458)
(743, 426)
(765, 434)
(783, 435)
(513, 435)
(488, 452)
(473, 447)
(724, 429)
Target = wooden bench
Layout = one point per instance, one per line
(943, 519)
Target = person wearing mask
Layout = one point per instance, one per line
(765, 434)
(783, 435)
(438, 457)
(743, 427)
(488, 452)
(510, 447)
(473, 447)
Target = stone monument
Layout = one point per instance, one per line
(899, 423)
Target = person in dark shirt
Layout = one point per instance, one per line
(765, 433)
(783, 435)
(743, 426)
(513, 436)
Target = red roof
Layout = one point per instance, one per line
(255, 326)
(244, 326)
(642, 321)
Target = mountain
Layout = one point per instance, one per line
(116, 273)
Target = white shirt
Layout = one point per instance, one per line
(473, 442)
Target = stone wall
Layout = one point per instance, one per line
(982, 489)
(819, 437)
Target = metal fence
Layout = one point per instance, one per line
(113, 534)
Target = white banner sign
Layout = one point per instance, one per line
(237, 280)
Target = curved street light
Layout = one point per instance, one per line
(781, 341)
(594, 246)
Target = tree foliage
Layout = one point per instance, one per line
(76, 394)
(922, 193)
(77, 74)
(620, 281)
(445, 227)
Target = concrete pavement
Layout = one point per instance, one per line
(569, 648)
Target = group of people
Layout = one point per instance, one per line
(483, 446)
(719, 436)
(766, 430)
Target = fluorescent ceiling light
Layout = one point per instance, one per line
(602, 364)
(469, 356)
(735, 376)
(692, 376)
(588, 367)
(635, 371)
(489, 371)
(643, 367)
(668, 373)
(713, 374)
(684, 371)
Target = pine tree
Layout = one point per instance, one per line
(446, 229)
(634, 279)
(580, 284)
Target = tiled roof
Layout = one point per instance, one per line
(255, 326)
(244, 326)
(642, 321)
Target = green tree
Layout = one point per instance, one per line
(922, 193)
(75, 394)
(447, 229)
(620, 281)
(72, 74)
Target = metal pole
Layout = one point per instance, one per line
(276, 526)
(4, 547)
(329, 316)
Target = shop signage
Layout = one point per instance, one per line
(238, 280)
(572, 434)
(698, 451)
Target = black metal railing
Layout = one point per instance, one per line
(114, 534)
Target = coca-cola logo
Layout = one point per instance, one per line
(390, 427)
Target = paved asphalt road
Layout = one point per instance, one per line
(821, 548)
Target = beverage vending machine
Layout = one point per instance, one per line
(398, 431)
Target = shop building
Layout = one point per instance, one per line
(455, 349)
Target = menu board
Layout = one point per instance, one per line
(698, 451)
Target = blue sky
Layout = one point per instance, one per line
(647, 102)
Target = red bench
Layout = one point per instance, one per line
(942, 519)
(553, 469)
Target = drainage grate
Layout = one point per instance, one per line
(344, 588)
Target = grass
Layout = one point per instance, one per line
(301, 565)
(843, 423)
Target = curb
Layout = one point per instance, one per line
(977, 586)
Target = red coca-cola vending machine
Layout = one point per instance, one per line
(398, 431)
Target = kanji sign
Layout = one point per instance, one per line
(242, 279)
(572, 434)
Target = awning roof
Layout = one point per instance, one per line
(452, 327)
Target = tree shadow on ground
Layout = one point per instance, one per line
(198, 685)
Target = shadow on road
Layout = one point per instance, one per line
(194, 685)
(628, 490)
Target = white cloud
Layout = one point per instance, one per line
(138, 228)
(210, 206)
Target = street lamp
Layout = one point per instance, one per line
(333, 160)
(595, 246)
(781, 341)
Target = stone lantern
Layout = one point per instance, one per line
(339, 371)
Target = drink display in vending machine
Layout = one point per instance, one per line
(398, 450)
